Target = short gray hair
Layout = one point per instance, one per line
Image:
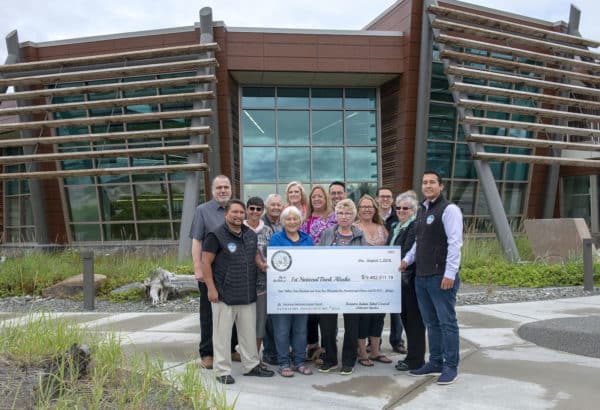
(290, 210)
(272, 197)
(409, 198)
(346, 204)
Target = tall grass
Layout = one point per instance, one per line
(30, 274)
(114, 380)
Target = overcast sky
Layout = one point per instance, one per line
(38, 20)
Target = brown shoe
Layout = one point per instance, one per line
(235, 357)
(206, 362)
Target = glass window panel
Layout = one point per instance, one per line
(105, 112)
(177, 199)
(439, 157)
(463, 166)
(116, 203)
(496, 166)
(258, 127)
(152, 202)
(61, 115)
(328, 164)
(141, 126)
(119, 232)
(259, 190)
(72, 130)
(360, 98)
(27, 210)
(361, 164)
(293, 127)
(150, 177)
(463, 195)
(327, 128)
(439, 88)
(513, 198)
(13, 211)
(85, 232)
(292, 98)
(176, 106)
(83, 204)
(361, 128)
(516, 171)
(141, 109)
(67, 98)
(326, 98)
(357, 189)
(259, 164)
(155, 231)
(293, 164)
(258, 97)
(177, 122)
(442, 122)
(11, 187)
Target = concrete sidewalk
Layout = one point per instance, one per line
(498, 369)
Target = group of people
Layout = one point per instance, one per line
(229, 246)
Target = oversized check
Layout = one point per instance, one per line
(333, 279)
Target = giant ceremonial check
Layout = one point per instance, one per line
(317, 279)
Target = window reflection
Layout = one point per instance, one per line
(293, 164)
(258, 127)
(292, 97)
(259, 164)
(328, 164)
(293, 127)
(326, 98)
(327, 127)
(361, 128)
(361, 164)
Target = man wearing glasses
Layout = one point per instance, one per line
(385, 199)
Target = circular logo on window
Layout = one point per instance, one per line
(281, 261)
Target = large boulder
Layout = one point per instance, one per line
(71, 286)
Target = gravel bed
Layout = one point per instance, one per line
(468, 295)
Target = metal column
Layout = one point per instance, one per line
(35, 185)
(193, 179)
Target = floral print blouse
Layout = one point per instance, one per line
(315, 225)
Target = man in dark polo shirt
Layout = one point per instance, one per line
(208, 217)
(437, 249)
(229, 263)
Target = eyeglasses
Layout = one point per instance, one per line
(344, 214)
(404, 208)
(255, 208)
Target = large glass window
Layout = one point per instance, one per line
(448, 154)
(136, 207)
(314, 135)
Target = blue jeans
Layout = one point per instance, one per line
(269, 348)
(290, 330)
(437, 308)
(396, 329)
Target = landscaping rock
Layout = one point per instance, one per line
(128, 287)
(71, 286)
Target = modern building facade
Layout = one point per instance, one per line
(449, 86)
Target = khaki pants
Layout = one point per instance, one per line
(224, 316)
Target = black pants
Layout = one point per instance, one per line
(371, 325)
(312, 329)
(413, 324)
(328, 338)
(206, 327)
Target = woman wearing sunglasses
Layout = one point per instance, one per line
(403, 235)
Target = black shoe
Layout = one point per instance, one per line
(327, 367)
(225, 379)
(402, 366)
(260, 372)
(271, 360)
(400, 349)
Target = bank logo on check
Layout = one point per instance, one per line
(281, 261)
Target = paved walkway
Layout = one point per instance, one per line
(498, 369)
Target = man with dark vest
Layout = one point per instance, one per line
(229, 264)
(439, 239)
(208, 217)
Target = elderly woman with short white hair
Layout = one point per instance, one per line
(290, 329)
